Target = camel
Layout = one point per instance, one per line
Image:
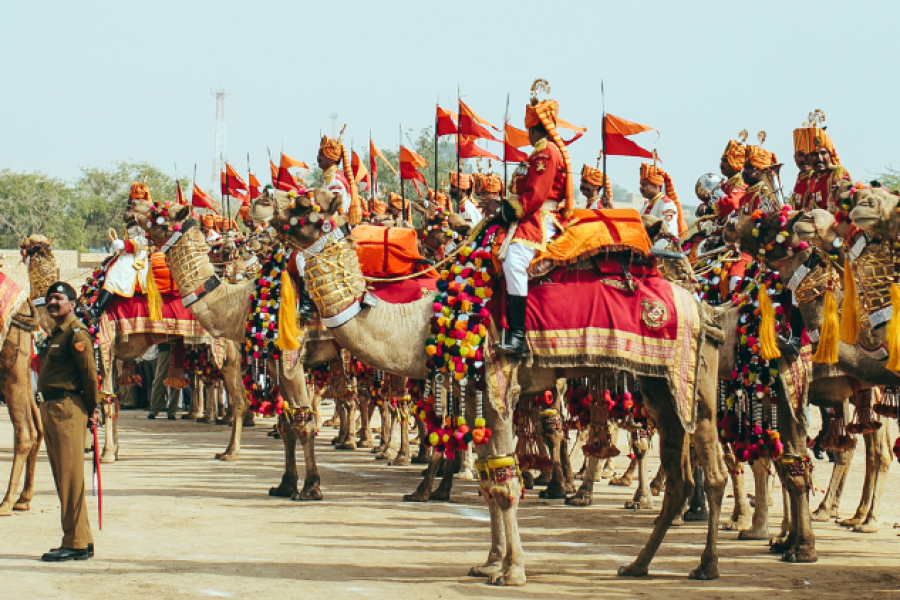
(15, 383)
(221, 308)
(392, 338)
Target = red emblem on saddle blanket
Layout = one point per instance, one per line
(654, 313)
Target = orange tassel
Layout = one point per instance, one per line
(827, 352)
(849, 307)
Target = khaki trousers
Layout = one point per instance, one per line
(65, 423)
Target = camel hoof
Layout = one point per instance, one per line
(779, 547)
(223, 421)
(379, 450)
(283, 491)
(607, 474)
(108, 458)
(823, 514)
(705, 573)
(642, 503)
(553, 492)
(515, 576)
(754, 534)
(484, 570)
(632, 571)
(654, 491)
(420, 459)
(701, 515)
(621, 480)
(867, 527)
(400, 461)
(579, 499)
(417, 497)
(207, 421)
(381, 456)
(543, 479)
(465, 474)
(853, 522)
(5, 511)
(800, 555)
(346, 446)
(228, 456)
(366, 444)
(305, 495)
(439, 495)
(22, 505)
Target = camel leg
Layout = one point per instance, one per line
(494, 561)
(209, 403)
(348, 428)
(365, 409)
(715, 477)
(643, 498)
(311, 489)
(424, 454)
(402, 458)
(608, 471)
(627, 478)
(451, 466)
(467, 466)
(423, 492)
(288, 486)
(881, 458)
(26, 420)
(546, 451)
(387, 431)
(235, 390)
(110, 435)
(556, 487)
(585, 493)
(830, 504)
(674, 455)
(697, 510)
(759, 527)
(339, 418)
(512, 571)
(659, 482)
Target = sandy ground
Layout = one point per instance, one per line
(178, 524)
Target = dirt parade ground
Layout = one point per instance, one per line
(179, 524)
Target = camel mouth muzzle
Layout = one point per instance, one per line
(864, 217)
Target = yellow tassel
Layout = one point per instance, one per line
(893, 330)
(288, 332)
(768, 344)
(154, 299)
(827, 352)
(850, 307)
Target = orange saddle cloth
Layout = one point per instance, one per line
(386, 251)
(590, 232)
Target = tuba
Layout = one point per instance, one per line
(775, 199)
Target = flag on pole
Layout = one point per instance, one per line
(360, 173)
(254, 186)
(446, 122)
(470, 124)
(410, 162)
(283, 179)
(373, 152)
(468, 149)
(232, 183)
(617, 144)
(199, 199)
(179, 194)
(513, 139)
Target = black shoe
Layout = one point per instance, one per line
(515, 338)
(173, 418)
(65, 554)
(100, 305)
(151, 416)
(306, 305)
(818, 453)
(830, 456)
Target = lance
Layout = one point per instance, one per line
(505, 123)
(603, 104)
(374, 175)
(402, 181)
(458, 167)
(97, 488)
(436, 149)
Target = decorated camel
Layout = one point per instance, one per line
(393, 338)
(18, 322)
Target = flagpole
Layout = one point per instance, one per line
(374, 189)
(436, 149)
(402, 182)
(505, 123)
(458, 162)
(605, 174)
(227, 196)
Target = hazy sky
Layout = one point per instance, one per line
(91, 82)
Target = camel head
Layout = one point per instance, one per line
(875, 212)
(138, 214)
(305, 217)
(440, 227)
(36, 245)
(770, 236)
(815, 226)
(163, 220)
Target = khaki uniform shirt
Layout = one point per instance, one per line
(67, 364)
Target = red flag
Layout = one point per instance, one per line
(409, 165)
(359, 169)
(254, 187)
(201, 200)
(179, 194)
(619, 145)
(284, 180)
(469, 124)
(373, 152)
(273, 171)
(514, 138)
(232, 183)
(620, 126)
(446, 124)
(289, 163)
(468, 149)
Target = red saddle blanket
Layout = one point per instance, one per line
(402, 292)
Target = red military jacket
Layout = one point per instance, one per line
(735, 195)
(545, 182)
(818, 194)
(798, 198)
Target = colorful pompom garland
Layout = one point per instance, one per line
(199, 362)
(261, 340)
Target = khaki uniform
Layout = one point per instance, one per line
(68, 384)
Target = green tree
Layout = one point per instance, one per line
(36, 203)
(890, 178)
(101, 195)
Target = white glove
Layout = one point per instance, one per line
(118, 244)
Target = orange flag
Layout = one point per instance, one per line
(446, 122)
(360, 173)
(179, 194)
(254, 186)
(468, 149)
(289, 163)
(410, 162)
(373, 152)
(469, 124)
(561, 124)
(201, 200)
(623, 127)
(515, 137)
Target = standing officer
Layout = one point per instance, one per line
(68, 384)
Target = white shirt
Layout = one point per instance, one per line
(335, 185)
(662, 207)
(470, 212)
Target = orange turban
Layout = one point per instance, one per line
(462, 182)
(140, 191)
(736, 155)
(397, 201)
(378, 207)
(760, 158)
(488, 184)
(657, 176)
(208, 221)
(441, 200)
(595, 177)
(545, 113)
(332, 149)
(810, 139)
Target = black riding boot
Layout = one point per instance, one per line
(697, 509)
(515, 337)
(102, 302)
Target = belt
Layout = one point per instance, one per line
(58, 394)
